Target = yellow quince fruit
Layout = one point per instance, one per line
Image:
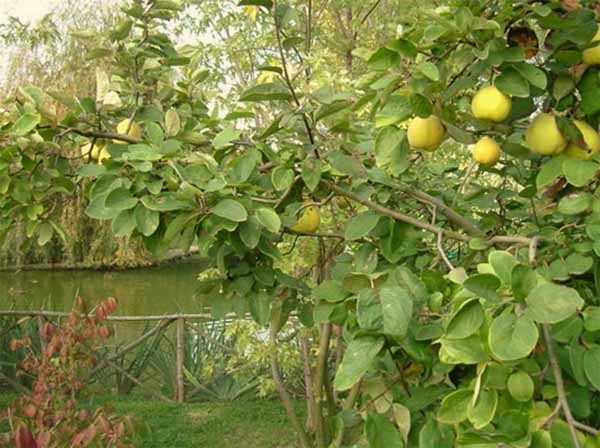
(103, 154)
(309, 219)
(491, 104)
(591, 139)
(124, 128)
(486, 151)
(543, 136)
(591, 56)
(425, 133)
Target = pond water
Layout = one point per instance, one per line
(147, 291)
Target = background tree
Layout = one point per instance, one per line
(464, 293)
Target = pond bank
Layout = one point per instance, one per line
(173, 256)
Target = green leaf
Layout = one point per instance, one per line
(361, 225)
(383, 59)
(120, 199)
(436, 435)
(579, 172)
(26, 123)
(225, 137)
(172, 123)
(511, 337)
(45, 233)
(403, 46)
(462, 351)
(330, 291)
(563, 85)
(97, 209)
(503, 264)
(591, 361)
(531, 73)
(591, 318)
(397, 309)
(381, 432)
(484, 285)
(123, 224)
(230, 209)
(575, 203)
(430, 70)
(91, 170)
(259, 307)
(454, 407)
(359, 355)
(396, 110)
(550, 171)
(482, 412)
(146, 221)
(466, 320)
(578, 264)
(141, 152)
(154, 133)
(391, 150)
(269, 219)
(512, 83)
(588, 87)
(346, 164)
(406, 279)
(551, 303)
(541, 439)
(250, 232)
(421, 106)
(368, 310)
(282, 178)
(266, 92)
(523, 280)
(311, 173)
(121, 31)
(166, 202)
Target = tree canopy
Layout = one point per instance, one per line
(466, 290)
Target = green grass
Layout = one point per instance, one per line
(243, 423)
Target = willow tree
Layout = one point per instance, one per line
(465, 293)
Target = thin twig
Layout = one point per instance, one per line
(560, 385)
(548, 420)
(288, 81)
(366, 16)
(440, 248)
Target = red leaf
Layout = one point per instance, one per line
(24, 438)
(43, 439)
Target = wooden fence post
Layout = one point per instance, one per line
(41, 322)
(180, 360)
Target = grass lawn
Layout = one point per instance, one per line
(244, 423)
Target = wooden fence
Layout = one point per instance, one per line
(181, 321)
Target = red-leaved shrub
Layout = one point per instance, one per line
(50, 415)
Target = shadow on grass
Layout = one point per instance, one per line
(243, 423)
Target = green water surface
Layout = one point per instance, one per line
(148, 291)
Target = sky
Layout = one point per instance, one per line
(25, 10)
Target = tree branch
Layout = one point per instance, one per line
(287, 79)
(311, 403)
(447, 211)
(101, 134)
(366, 16)
(498, 239)
(320, 382)
(560, 385)
(284, 395)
